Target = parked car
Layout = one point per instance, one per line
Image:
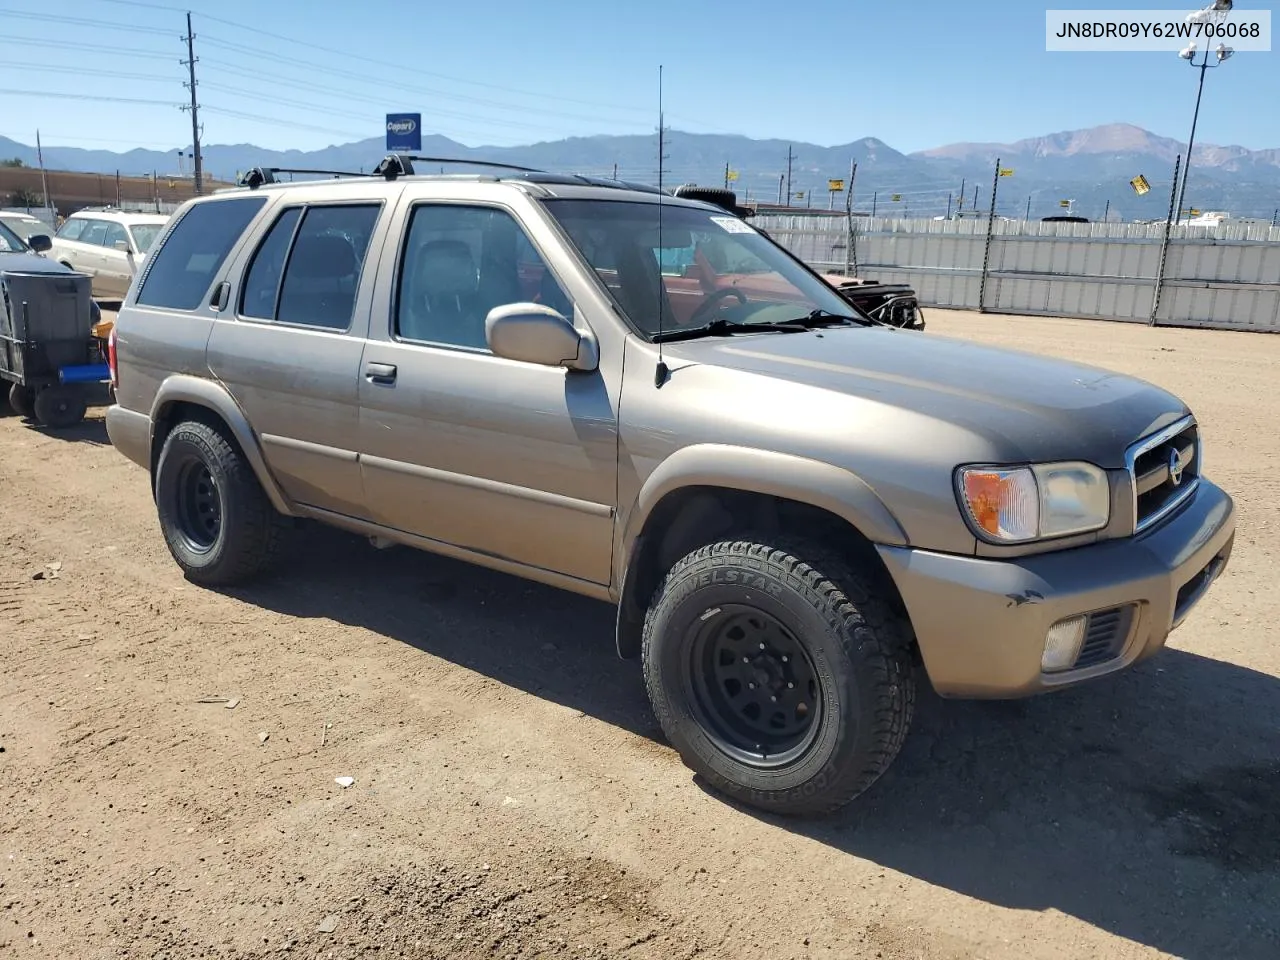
(108, 245)
(24, 224)
(794, 508)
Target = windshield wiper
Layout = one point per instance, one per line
(816, 319)
(726, 328)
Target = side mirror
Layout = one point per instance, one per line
(122, 246)
(40, 243)
(536, 334)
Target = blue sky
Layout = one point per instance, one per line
(915, 75)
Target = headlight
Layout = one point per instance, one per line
(1022, 504)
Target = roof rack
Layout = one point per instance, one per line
(395, 165)
(261, 175)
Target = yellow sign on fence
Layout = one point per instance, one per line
(733, 175)
(1140, 185)
(835, 186)
(1005, 173)
(897, 198)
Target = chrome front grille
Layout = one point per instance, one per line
(1164, 471)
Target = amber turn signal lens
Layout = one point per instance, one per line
(1004, 504)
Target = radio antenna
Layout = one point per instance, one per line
(660, 375)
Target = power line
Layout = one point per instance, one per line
(110, 74)
(348, 55)
(83, 22)
(87, 96)
(382, 99)
(71, 139)
(65, 45)
(276, 121)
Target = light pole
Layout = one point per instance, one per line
(1220, 8)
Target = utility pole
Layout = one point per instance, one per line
(875, 195)
(789, 158)
(1164, 245)
(975, 197)
(44, 183)
(991, 227)
(726, 176)
(781, 183)
(851, 237)
(615, 171)
(190, 63)
(963, 184)
(1106, 214)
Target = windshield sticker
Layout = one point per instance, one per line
(734, 225)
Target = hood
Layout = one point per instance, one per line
(30, 263)
(1029, 407)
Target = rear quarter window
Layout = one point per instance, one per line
(180, 272)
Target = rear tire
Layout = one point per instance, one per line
(216, 519)
(786, 683)
(59, 407)
(22, 399)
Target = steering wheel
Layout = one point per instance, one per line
(712, 302)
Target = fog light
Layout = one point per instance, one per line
(1062, 644)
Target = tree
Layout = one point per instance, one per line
(13, 164)
(24, 198)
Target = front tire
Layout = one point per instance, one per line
(786, 683)
(217, 521)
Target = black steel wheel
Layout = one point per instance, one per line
(59, 407)
(216, 519)
(23, 400)
(199, 505)
(783, 675)
(753, 686)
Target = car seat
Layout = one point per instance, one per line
(442, 300)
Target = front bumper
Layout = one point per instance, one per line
(981, 624)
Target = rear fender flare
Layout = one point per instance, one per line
(183, 388)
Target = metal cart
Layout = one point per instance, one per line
(49, 355)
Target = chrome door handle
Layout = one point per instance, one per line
(384, 373)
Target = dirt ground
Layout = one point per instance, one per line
(512, 795)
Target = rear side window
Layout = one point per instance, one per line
(71, 229)
(115, 234)
(180, 273)
(262, 284)
(308, 273)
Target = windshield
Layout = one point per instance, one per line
(144, 234)
(712, 265)
(10, 242)
(24, 228)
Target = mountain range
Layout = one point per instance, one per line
(1091, 167)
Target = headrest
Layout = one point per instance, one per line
(446, 268)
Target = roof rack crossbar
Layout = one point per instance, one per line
(260, 175)
(395, 165)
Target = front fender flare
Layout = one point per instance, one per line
(826, 486)
(183, 388)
